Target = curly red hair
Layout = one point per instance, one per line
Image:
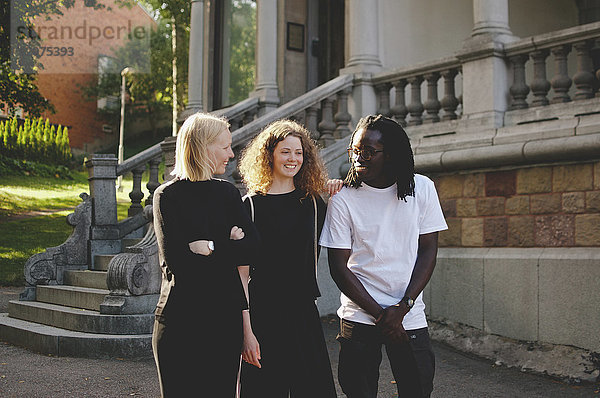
(256, 161)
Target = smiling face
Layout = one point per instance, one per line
(219, 151)
(372, 171)
(287, 158)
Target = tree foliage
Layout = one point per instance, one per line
(243, 44)
(18, 61)
(178, 11)
(18, 88)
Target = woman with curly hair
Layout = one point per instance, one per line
(284, 348)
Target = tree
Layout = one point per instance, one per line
(19, 63)
(177, 13)
(243, 44)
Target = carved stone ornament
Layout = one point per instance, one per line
(134, 276)
(47, 268)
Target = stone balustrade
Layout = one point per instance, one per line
(563, 48)
(323, 110)
(241, 113)
(417, 111)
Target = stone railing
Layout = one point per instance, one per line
(306, 109)
(579, 42)
(323, 110)
(241, 113)
(411, 113)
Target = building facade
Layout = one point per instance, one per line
(500, 99)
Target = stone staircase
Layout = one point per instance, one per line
(65, 320)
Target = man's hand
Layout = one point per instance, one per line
(390, 323)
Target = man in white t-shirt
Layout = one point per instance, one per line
(381, 234)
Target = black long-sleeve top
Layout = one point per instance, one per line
(184, 212)
(285, 270)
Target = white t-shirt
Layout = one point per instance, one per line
(382, 232)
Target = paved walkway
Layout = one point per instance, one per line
(27, 374)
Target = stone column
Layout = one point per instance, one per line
(362, 42)
(266, 56)
(490, 17)
(104, 232)
(168, 148)
(484, 69)
(196, 62)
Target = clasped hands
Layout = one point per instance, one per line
(389, 322)
(201, 246)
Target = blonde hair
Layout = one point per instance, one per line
(191, 151)
(256, 161)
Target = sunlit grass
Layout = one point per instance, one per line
(22, 237)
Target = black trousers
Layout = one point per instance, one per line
(197, 361)
(413, 363)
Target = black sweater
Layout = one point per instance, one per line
(285, 270)
(186, 211)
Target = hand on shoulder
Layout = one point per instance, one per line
(334, 186)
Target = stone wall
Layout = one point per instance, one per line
(541, 206)
(532, 294)
(521, 257)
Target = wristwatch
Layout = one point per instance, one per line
(408, 301)
(211, 246)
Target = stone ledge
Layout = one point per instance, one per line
(567, 363)
(458, 153)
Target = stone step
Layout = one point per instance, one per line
(80, 320)
(71, 296)
(54, 341)
(101, 261)
(87, 278)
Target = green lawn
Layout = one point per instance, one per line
(20, 238)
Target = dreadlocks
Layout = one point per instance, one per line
(399, 156)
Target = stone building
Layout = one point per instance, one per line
(501, 102)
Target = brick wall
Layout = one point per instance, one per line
(63, 76)
(550, 206)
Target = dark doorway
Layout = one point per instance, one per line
(331, 39)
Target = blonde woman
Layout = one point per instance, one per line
(284, 349)
(203, 233)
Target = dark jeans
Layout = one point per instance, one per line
(413, 363)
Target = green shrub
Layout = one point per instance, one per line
(35, 139)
